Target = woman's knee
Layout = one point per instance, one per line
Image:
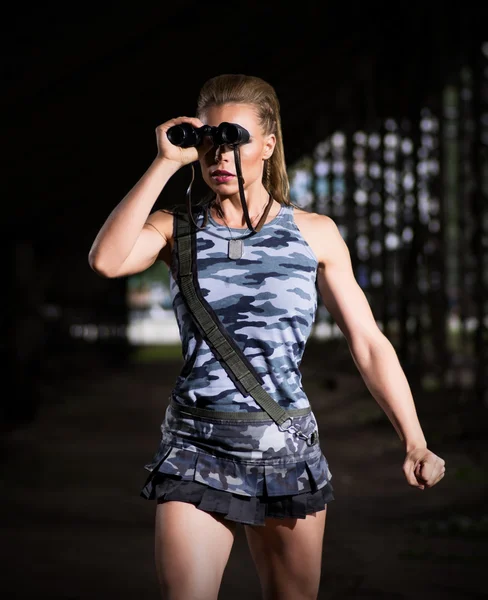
(192, 548)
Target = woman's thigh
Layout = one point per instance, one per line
(192, 548)
(288, 556)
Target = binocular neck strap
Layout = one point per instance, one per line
(189, 206)
(240, 181)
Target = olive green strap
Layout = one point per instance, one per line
(256, 415)
(237, 365)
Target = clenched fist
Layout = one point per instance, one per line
(422, 468)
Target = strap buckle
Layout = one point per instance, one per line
(310, 439)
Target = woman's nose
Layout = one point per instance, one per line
(219, 150)
(218, 153)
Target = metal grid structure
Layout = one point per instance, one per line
(411, 201)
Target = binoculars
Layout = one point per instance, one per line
(185, 135)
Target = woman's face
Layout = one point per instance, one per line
(217, 163)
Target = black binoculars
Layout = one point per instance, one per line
(185, 135)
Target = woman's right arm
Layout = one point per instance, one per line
(123, 245)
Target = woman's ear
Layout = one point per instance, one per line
(269, 146)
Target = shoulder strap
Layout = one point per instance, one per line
(240, 370)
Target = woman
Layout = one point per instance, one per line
(212, 472)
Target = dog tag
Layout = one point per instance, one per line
(236, 249)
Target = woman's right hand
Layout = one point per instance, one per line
(168, 151)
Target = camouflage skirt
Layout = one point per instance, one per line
(246, 470)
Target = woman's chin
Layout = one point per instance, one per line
(225, 189)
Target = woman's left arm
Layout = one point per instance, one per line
(372, 352)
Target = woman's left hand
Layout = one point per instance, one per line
(422, 468)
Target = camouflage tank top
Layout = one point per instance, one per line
(267, 301)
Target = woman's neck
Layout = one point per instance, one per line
(230, 208)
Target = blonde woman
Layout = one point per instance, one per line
(260, 262)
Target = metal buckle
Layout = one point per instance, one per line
(310, 439)
(289, 426)
(314, 436)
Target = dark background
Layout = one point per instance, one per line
(84, 89)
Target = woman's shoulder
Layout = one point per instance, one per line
(320, 232)
(315, 221)
(162, 219)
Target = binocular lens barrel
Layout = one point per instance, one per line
(185, 135)
(230, 133)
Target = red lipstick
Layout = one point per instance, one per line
(222, 176)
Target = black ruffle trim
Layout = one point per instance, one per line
(249, 510)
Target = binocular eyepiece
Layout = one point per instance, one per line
(185, 135)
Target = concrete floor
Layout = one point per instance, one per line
(74, 526)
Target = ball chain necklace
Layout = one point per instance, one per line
(235, 247)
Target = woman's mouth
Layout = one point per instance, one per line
(220, 176)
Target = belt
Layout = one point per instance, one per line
(258, 415)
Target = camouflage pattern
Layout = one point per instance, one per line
(240, 456)
(267, 301)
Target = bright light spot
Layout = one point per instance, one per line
(375, 219)
(391, 140)
(338, 167)
(407, 146)
(90, 332)
(360, 138)
(392, 241)
(426, 124)
(391, 205)
(375, 170)
(374, 141)
(302, 177)
(322, 168)
(408, 181)
(360, 197)
(338, 140)
(423, 168)
(407, 234)
(359, 169)
(362, 241)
